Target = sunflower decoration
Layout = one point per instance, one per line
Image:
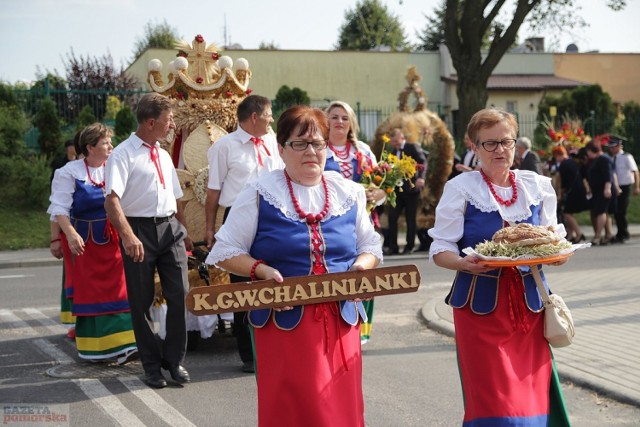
(389, 175)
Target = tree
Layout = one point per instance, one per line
(631, 125)
(49, 85)
(13, 122)
(286, 97)
(369, 26)
(589, 105)
(85, 118)
(467, 22)
(13, 125)
(125, 123)
(91, 79)
(48, 123)
(113, 106)
(162, 36)
(432, 35)
(268, 46)
(591, 101)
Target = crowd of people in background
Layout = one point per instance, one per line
(599, 182)
(586, 180)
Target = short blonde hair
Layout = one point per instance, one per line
(489, 117)
(91, 135)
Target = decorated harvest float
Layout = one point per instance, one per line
(423, 127)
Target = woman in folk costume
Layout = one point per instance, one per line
(351, 157)
(55, 247)
(308, 358)
(92, 259)
(505, 363)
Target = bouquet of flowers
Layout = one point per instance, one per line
(570, 135)
(389, 173)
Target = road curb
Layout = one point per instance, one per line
(31, 263)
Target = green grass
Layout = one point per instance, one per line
(25, 228)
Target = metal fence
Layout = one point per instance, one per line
(69, 103)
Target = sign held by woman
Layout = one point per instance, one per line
(301, 290)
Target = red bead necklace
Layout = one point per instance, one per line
(310, 218)
(500, 200)
(97, 184)
(342, 155)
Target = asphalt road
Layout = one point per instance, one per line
(410, 374)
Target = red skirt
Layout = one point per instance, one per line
(95, 280)
(311, 375)
(504, 360)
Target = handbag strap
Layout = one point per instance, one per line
(541, 290)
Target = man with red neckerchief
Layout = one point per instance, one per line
(142, 192)
(243, 155)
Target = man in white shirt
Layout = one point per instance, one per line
(142, 189)
(235, 159)
(626, 170)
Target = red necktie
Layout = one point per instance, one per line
(258, 142)
(155, 158)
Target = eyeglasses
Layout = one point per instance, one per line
(491, 146)
(301, 145)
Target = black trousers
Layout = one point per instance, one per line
(240, 324)
(165, 251)
(407, 202)
(621, 212)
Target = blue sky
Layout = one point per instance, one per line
(41, 32)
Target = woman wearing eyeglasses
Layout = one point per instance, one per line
(296, 222)
(505, 363)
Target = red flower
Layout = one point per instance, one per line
(199, 38)
(248, 92)
(182, 53)
(602, 139)
(229, 94)
(215, 56)
(199, 80)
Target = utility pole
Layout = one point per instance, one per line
(226, 40)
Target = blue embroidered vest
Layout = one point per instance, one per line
(285, 244)
(481, 290)
(87, 213)
(333, 165)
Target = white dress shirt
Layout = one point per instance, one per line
(233, 162)
(533, 190)
(132, 175)
(625, 166)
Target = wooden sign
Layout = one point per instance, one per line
(301, 290)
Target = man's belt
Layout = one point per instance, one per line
(155, 220)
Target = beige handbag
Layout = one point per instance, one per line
(558, 323)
